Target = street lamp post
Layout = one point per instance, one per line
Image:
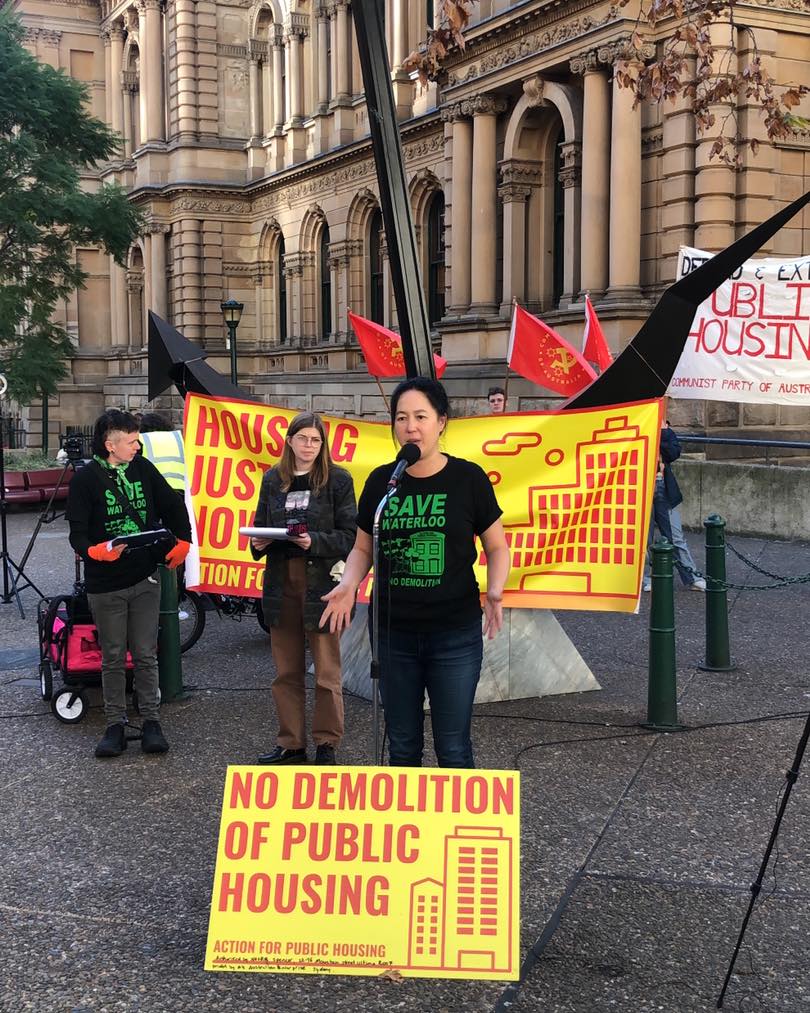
(232, 314)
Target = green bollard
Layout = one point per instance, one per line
(662, 700)
(718, 655)
(170, 668)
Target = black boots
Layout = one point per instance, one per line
(113, 742)
(153, 739)
(282, 755)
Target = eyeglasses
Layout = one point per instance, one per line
(308, 441)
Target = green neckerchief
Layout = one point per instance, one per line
(127, 525)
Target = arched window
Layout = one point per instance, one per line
(376, 308)
(435, 258)
(559, 225)
(326, 284)
(281, 291)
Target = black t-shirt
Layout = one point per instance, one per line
(427, 544)
(296, 503)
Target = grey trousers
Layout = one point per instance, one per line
(128, 618)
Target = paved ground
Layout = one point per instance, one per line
(638, 848)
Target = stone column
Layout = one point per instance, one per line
(118, 305)
(117, 94)
(460, 210)
(341, 104)
(157, 269)
(677, 184)
(135, 300)
(255, 99)
(403, 89)
(595, 175)
(151, 39)
(715, 183)
(485, 110)
(268, 111)
(278, 70)
(105, 38)
(323, 68)
(127, 91)
(343, 54)
(185, 19)
(514, 196)
(188, 280)
(296, 135)
(570, 177)
(624, 271)
(207, 69)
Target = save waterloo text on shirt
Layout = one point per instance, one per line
(427, 544)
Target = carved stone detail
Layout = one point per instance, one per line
(533, 90)
(585, 63)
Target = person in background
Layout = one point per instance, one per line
(667, 517)
(314, 499)
(429, 604)
(163, 446)
(121, 493)
(496, 399)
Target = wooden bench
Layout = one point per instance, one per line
(35, 487)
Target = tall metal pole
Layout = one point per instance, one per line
(232, 332)
(409, 296)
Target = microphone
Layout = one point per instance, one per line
(408, 455)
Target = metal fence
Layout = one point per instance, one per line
(12, 433)
(758, 448)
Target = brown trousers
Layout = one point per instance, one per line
(289, 693)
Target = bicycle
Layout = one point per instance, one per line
(193, 606)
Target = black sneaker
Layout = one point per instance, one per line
(282, 755)
(325, 754)
(113, 742)
(152, 738)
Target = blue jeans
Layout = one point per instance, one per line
(447, 664)
(668, 522)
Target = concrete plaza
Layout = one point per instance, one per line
(638, 848)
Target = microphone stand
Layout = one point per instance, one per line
(375, 620)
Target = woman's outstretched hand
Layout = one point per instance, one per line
(493, 614)
(339, 605)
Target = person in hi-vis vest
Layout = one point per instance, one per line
(163, 446)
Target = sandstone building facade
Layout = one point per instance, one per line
(531, 177)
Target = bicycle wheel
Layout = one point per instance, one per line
(192, 619)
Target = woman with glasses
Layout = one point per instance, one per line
(313, 499)
(430, 603)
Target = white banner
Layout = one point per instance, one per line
(750, 340)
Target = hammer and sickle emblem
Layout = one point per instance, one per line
(563, 360)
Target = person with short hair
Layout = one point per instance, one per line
(121, 493)
(496, 399)
(313, 499)
(429, 601)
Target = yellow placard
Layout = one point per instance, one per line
(368, 870)
(575, 489)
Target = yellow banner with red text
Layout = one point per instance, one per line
(575, 489)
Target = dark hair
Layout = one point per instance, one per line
(112, 421)
(154, 422)
(496, 390)
(319, 473)
(432, 389)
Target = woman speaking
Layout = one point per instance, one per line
(314, 501)
(429, 601)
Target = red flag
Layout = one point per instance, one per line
(544, 357)
(382, 349)
(594, 343)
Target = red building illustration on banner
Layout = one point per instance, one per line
(578, 534)
(465, 922)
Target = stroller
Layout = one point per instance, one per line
(68, 644)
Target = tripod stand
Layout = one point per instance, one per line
(11, 583)
(47, 516)
(791, 777)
